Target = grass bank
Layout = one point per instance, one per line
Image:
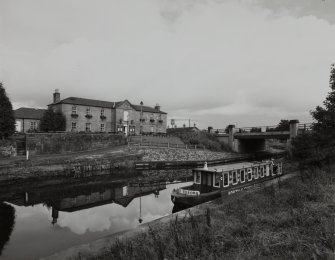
(292, 220)
(200, 139)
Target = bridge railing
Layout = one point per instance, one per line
(305, 127)
(262, 129)
(257, 129)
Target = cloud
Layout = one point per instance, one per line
(229, 60)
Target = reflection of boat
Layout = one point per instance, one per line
(212, 182)
(179, 207)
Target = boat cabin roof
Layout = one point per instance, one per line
(230, 167)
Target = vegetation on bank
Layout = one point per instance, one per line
(201, 139)
(7, 121)
(293, 220)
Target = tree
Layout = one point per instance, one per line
(319, 145)
(325, 116)
(7, 120)
(52, 121)
(284, 125)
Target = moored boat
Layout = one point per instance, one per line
(212, 182)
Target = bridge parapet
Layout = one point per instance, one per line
(248, 138)
(305, 127)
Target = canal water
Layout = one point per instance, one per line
(41, 222)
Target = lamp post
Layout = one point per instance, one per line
(141, 118)
(140, 220)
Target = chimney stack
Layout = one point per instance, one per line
(158, 107)
(56, 96)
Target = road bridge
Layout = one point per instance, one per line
(253, 139)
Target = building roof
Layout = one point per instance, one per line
(147, 109)
(86, 102)
(105, 104)
(29, 113)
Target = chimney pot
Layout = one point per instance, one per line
(56, 96)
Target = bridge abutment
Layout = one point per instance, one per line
(294, 126)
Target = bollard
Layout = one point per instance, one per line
(27, 155)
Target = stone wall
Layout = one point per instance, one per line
(59, 143)
(81, 119)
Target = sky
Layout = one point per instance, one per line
(217, 62)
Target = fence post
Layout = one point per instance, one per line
(195, 147)
(168, 145)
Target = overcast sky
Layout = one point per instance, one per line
(249, 62)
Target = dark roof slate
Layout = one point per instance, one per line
(147, 109)
(105, 104)
(28, 113)
(86, 102)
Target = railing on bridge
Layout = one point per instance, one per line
(305, 127)
(263, 129)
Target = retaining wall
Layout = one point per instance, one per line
(59, 143)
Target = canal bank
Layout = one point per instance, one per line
(209, 217)
(108, 160)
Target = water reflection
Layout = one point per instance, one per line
(55, 217)
(7, 221)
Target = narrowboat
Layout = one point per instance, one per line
(212, 182)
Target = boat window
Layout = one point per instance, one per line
(197, 177)
(280, 168)
(274, 169)
(230, 177)
(256, 172)
(238, 175)
(234, 177)
(217, 178)
(249, 174)
(262, 171)
(225, 179)
(242, 175)
(267, 170)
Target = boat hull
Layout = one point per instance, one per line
(188, 201)
(185, 200)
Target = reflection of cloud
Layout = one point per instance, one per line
(114, 217)
(85, 221)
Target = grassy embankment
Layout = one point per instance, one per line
(209, 141)
(293, 220)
